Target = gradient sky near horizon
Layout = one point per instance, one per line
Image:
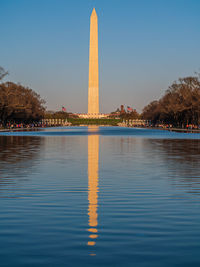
(144, 45)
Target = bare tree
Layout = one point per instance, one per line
(19, 103)
(3, 73)
(179, 106)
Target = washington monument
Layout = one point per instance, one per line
(93, 85)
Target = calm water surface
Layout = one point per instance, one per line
(105, 196)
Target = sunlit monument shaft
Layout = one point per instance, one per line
(93, 86)
(93, 167)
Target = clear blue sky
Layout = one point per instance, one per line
(144, 45)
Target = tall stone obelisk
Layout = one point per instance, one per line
(93, 86)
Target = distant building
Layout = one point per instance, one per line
(92, 116)
(122, 109)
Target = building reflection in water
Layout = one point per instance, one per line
(93, 169)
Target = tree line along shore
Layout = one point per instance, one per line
(179, 107)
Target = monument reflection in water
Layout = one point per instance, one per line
(93, 169)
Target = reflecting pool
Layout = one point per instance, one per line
(99, 196)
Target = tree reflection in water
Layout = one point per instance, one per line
(181, 158)
(18, 156)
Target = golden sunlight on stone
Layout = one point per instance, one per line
(93, 86)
